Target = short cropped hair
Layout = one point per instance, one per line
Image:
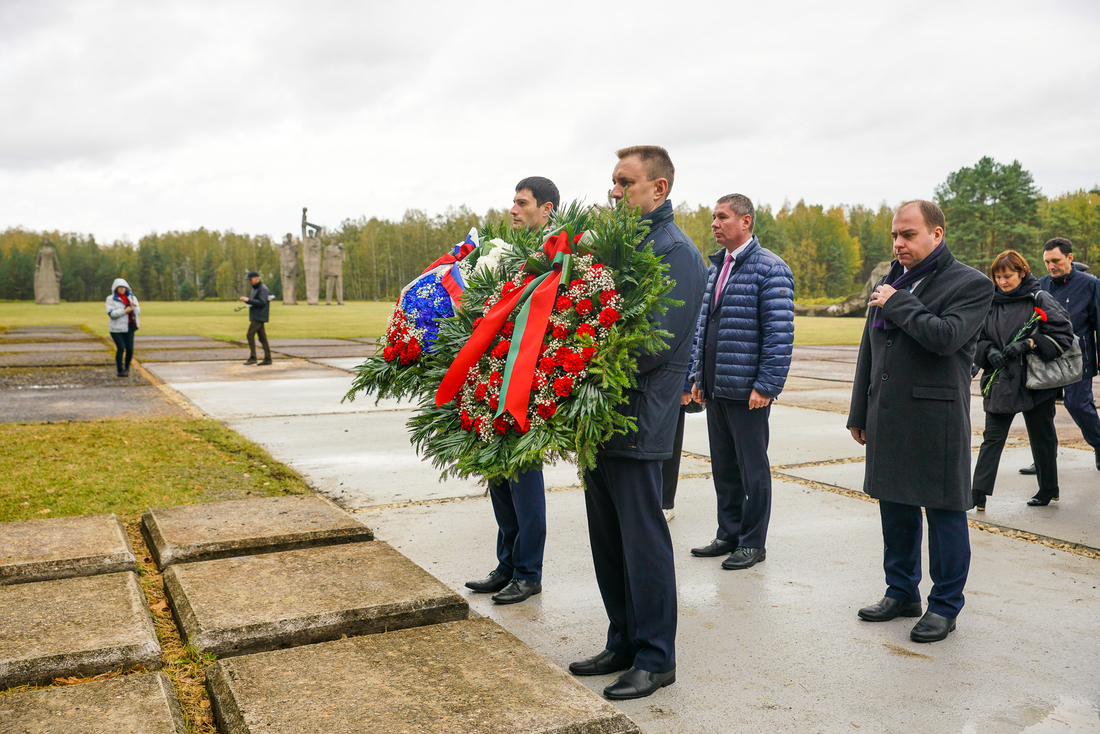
(1010, 260)
(932, 214)
(543, 189)
(740, 205)
(1061, 243)
(655, 160)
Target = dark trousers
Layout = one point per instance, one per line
(1082, 408)
(1044, 447)
(124, 344)
(670, 469)
(520, 508)
(632, 555)
(741, 471)
(948, 555)
(254, 328)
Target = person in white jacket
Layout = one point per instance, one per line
(122, 311)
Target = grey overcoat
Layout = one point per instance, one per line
(912, 389)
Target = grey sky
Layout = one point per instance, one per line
(122, 118)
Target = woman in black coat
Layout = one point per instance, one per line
(1018, 297)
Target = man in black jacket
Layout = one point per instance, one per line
(631, 545)
(259, 308)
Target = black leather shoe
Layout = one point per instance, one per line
(491, 584)
(715, 549)
(1097, 452)
(250, 360)
(1042, 499)
(979, 499)
(266, 361)
(1029, 470)
(932, 628)
(516, 591)
(743, 558)
(601, 663)
(888, 609)
(637, 683)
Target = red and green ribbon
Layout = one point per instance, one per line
(538, 299)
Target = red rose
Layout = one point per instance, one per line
(500, 425)
(547, 364)
(480, 391)
(546, 410)
(564, 303)
(588, 353)
(495, 379)
(586, 330)
(389, 354)
(507, 329)
(573, 363)
(467, 423)
(608, 316)
(563, 387)
(606, 296)
(584, 306)
(500, 351)
(560, 331)
(494, 401)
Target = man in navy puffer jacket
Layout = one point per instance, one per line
(743, 348)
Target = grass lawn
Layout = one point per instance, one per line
(125, 467)
(357, 318)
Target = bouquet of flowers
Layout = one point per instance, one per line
(1024, 333)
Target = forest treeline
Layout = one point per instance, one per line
(990, 207)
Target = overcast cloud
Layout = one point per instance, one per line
(122, 118)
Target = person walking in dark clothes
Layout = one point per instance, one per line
(259, 309)
(122, 311)
(1001, 355)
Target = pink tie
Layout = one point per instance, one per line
(722, 278)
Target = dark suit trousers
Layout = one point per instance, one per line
(520, 508)
(254, 328)
(670, 469)
(948, 555)
(1082, 408)
(1041, 435)
(632, 555)
(741, 471)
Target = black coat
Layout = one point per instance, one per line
(259, 303)
(912, 389)
(655, 401)
(1008, 315)
(1079, 294)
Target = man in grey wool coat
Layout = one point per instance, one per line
(911, 408)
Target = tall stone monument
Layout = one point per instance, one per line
(334, 271)
(288, 262)
(311, 255)
(47, 275)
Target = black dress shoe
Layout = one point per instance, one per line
(743, 558)
(978, 498)
(932, 628)
(1042, 499)
(601, 663)
(265, 362)
(715, 549)
(637, 683)
(491, 584)
(250, 360)
(888, 609)
(516, 591)
(1029, 470)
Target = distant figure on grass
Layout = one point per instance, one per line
(1011, 330)
(911, 408)
(288, 262)
(743, 346)
(519, 504)
(47, 276)
(311, 257)
(122, 313)
(259, 308)
(334, 271)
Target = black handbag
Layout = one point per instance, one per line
(1065, 369)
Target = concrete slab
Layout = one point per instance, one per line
(194, 355)
(62, 547)
(177, 373)
(233, 400)
(364, 339)
(135, 704)
(74, 627)
(350, 350)
(57, 359)
(88, 345)
(470, 677)
(77, 394)
(144, 345)
(188, 533)
(347, 364)
(237, 606)
(311, 343)
(1074, 518)
(779, 648)
(827, 370)
(171, 338)
(837, 353)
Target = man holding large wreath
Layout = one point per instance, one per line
(631, 545)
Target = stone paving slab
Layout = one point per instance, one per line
(828, 370)
(62, 547)
(365, 339)
(74, 627)
(176, 373)
(78, 394)
(347, 364)
(69, 357)
(134, 704)
(171, 338)
(312, 343)
(351, 350)
(837, 353)
(141, 345)
(237, 606)
(318, 394)
(89, 345)
(228, 352)
(202, 532)
(471, 677)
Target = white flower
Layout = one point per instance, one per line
(492, 253)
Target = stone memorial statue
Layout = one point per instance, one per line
(334, 271)
(311, 255)
(47, 275)
(288, 262)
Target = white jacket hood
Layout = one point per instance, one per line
(117, 283)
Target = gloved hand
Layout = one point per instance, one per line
(995, 358)
(1015, 349)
